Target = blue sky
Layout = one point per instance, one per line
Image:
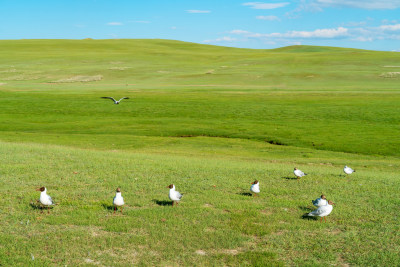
(366, 24)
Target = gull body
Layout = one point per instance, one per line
(323, 211)
(348, 170)
(45, 199)
(255, 187)
(299, 173)
(115, 101)
(321, 201)
(174, 195)
(118, 200)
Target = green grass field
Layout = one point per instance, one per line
(210, 120)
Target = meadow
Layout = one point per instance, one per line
(210, 120)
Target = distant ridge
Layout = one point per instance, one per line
(182, 44)
(311, 48)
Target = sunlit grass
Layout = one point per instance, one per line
(217, 221)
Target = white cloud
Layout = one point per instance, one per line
(115, 23)
(240, 32)
(386, 21)
(197, 11)
(354, 31)
(222, 39)
(270, 18)
(339, 32)
(395, 27)
(319, 33)
(355, 24)
(369, 34)
(363, 39)
(362, 4)
(260, 5)
(173, 28)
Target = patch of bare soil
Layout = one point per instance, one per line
(390, 75)
(80, 78)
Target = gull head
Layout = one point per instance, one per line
(171, 186)
(41, 189)
(118, 190)
(255, 182)
(323, 197)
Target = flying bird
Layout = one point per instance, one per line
(323, 211)
(118, 200)
(174, 195)
(45, 199)
(299, 173)
(115, 101)
(321, 201)
(255, 187)
(348, 170)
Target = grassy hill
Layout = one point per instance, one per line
(334, 99)
(210, 120)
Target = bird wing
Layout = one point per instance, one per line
(123, 98)
(178, 195)
(51, 200)
(108, 97)
(348, 170)
(119, 201)
(321, 210)
(255, 188)
(299, 173)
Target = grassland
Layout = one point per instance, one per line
(210, 120)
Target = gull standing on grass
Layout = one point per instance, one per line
(348, 170)
(115, 101)
(255, 187)
(45, 199)
(174, 195)
(321, 201)
(323, 211)
(118, 200)
(298, 173)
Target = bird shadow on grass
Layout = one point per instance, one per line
(289, 178)
(162, 202)
(247, 194)
(38, 206)
(305, 215)
(108, 207)
(309, 218)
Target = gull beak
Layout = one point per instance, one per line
(38, 189)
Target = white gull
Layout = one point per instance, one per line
(174, 195)
(255, 187)
(118, 200)
(45, 199)
(323, 211)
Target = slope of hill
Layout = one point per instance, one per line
(210, 120)
(318, 97)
